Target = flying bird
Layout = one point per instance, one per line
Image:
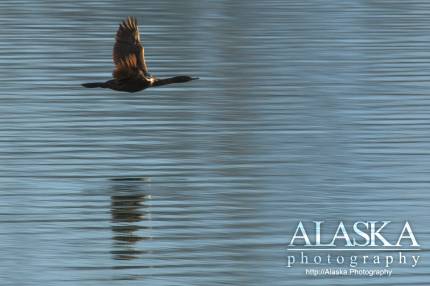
(131, 73)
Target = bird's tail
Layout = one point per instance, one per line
(94, 84)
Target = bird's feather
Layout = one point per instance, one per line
(127, 43)
(127, 68)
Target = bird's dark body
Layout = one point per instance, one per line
(131, 85)
(125, 85)
(134, 85)
(131, 73)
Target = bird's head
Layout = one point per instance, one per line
(184, 78)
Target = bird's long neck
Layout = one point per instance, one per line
(175, 79)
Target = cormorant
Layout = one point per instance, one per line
(130, 73)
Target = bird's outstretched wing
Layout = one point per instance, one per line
(127, 69)
(127, 42)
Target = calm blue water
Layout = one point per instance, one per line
(305, 110)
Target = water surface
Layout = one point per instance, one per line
(305, 110)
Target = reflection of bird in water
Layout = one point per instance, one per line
(131, 73)
(126, 210)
